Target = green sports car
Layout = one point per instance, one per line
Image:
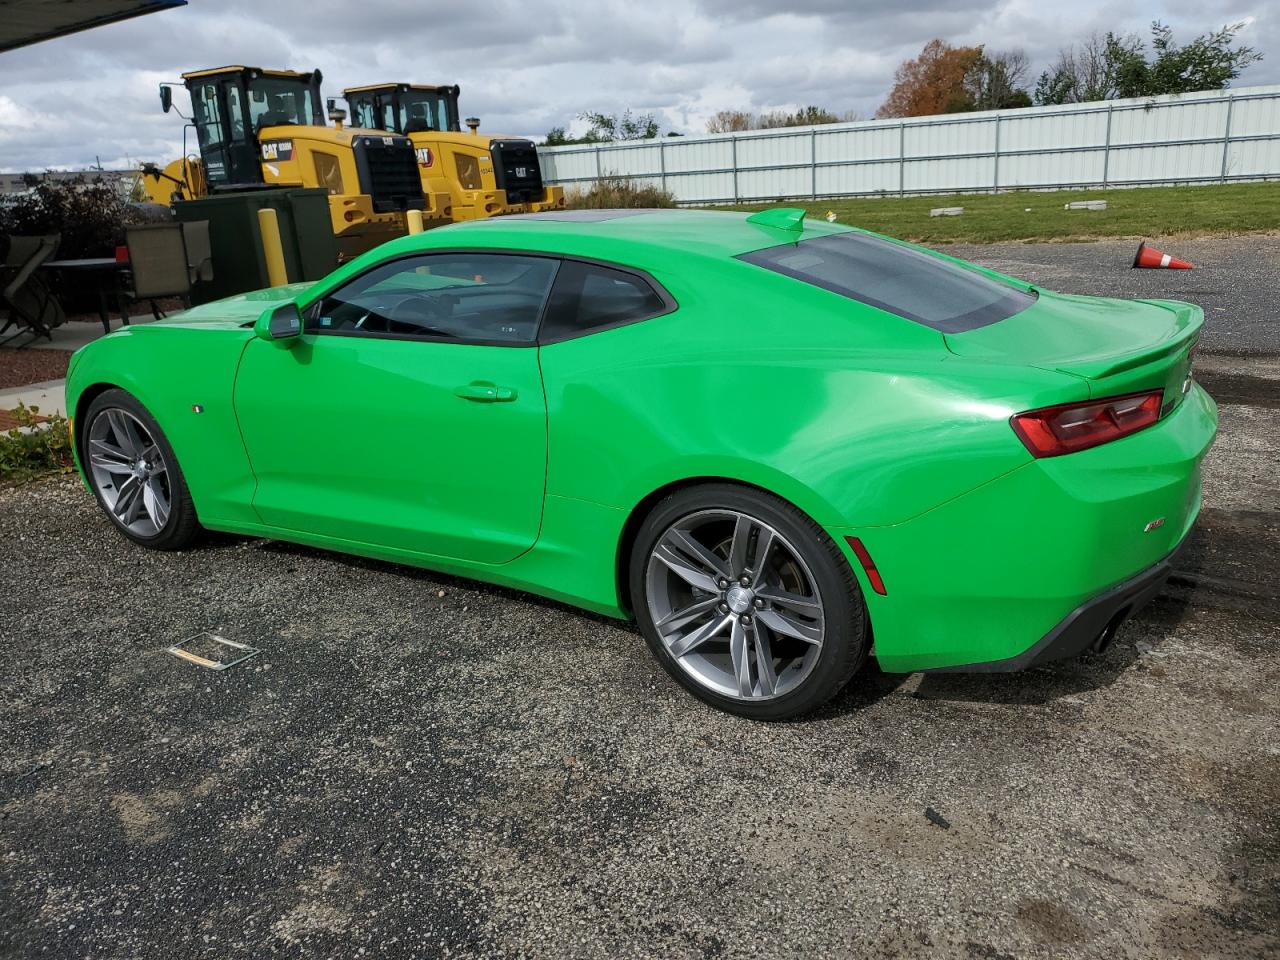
(779, 445)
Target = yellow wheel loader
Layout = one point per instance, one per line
(265, 128)
(484, 176)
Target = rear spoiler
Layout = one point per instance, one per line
(1190, 320)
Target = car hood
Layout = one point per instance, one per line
(1088, 337)
(233, 311)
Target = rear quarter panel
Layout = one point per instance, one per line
(171, 370)
(856, 416)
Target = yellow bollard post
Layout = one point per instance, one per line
(272, 249)
(415, 221)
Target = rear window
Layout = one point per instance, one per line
(908, 282)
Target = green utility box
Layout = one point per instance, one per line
(306, 233)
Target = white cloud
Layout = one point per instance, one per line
(528, 65)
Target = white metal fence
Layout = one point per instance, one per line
(1193, 138)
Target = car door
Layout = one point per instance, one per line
(410, 413)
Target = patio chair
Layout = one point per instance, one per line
(158, 262)
(32, 306)
(199, 251)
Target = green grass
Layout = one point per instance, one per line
(1147, 212)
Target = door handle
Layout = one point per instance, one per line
(482, 391)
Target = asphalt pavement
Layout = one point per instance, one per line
(419, 766)
(1236, 280)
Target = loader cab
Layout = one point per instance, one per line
(232, 105)
(405, 108)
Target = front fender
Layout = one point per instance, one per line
(184, 377)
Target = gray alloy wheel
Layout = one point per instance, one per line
(735, 605)
(130, 472)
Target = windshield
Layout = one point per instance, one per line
(404, 111)
(897, 278)
(278, 100)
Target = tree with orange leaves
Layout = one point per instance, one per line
(933, 82)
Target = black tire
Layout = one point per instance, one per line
(847, 635)
(182, 526)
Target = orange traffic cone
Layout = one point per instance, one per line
(1150, 257)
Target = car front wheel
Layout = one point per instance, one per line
(134, 473)
(747, 602)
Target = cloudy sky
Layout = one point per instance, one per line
(528, 65)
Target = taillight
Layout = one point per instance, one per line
(1068, 427)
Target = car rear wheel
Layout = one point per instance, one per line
(135, 475)
(746, 601)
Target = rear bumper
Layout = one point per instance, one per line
(1089, 628)
(1034, 565)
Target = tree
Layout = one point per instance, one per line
(804, 117)
(1124, 69)
(1206, 63)
(1087, 71)
(994, 82)
(606, 128)
(734, 121)
(932, 83)
(1054, 87)
(1103, 68)
(731, 121)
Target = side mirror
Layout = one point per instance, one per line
(282, 324)
(166, 98)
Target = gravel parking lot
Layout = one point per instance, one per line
(421, 766)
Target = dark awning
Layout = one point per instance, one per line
(30, 21)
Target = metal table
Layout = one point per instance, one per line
(103, 276)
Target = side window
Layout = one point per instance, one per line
(236, 110)
(590, 297)
(485, 297)
(204, 99)
(362, 112)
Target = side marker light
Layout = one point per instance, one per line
(868, 565)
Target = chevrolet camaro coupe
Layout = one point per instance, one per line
(779, 445)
